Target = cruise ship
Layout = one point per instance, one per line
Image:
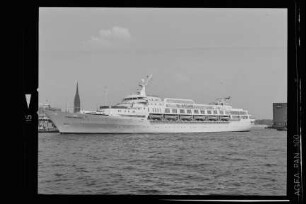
(141, 113)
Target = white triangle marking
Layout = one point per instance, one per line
(28, 98)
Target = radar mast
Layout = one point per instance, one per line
(142, 85)
(221, 101)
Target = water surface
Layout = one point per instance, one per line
(232, 163)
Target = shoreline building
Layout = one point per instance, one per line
(44, 122)
(77, 101)
(280, 116)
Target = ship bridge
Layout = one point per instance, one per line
(178, 100)
(134, 97)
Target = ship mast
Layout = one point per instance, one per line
(222, 101)
(105, 95)
(142, 85)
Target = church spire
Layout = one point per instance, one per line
(77, 102)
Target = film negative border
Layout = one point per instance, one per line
(29, 73)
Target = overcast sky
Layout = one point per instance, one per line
(201, 54)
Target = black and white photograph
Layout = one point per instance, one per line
(162, 101)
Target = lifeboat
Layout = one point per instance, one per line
(199, 117)
(171, 117)
(224, 118)
(186, 117)
(155, 116)
(212, 118)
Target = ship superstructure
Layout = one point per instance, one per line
(140, 113)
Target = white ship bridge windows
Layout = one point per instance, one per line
(239, 112)
(202, 111)
(215, 112)
(132, 98)
(182, 111)
(209, 112)
(196, 111)
(167, 110)
(243, 113)
(176, 100)
(188, 111)
(174, 110)
(221, 112)
(234, 112)
(157, 110)
(155, 99)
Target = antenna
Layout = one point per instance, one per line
(105, 95)
(221, 101)
(142, 85)
(149, 77)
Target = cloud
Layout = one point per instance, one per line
(116, 33)
(116, 36)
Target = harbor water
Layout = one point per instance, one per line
(231, 163)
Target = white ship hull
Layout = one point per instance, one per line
(87, 123)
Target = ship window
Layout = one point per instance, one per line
(209, 112)
(182, 111)
(189, 111)
(174, 111)
(167, 110)
(215, 112)
(196, 111)
(202, 111)
(235, 112)
(221, 112)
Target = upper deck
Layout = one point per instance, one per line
(141, 104)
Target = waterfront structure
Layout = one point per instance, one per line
(139, 113)
(280, 115)
(77, 101)
(44, 123)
